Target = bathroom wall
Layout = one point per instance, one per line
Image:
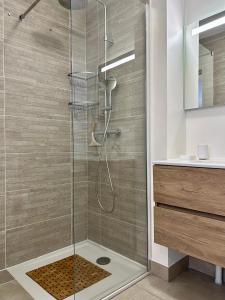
(35, 153)
(158, 90)
(124, 230)
(168, 132)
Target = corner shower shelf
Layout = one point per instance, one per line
(82, 75)
(87, 106)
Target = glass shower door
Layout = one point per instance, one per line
(108, 105)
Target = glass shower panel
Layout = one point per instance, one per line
(108, 105)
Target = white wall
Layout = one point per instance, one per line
(167, 115)
(158, 92)
(176, 131)
(205, 126)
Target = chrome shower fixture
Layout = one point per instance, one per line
(68, 4)
(111, 84)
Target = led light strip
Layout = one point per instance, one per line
(208, 26)
(118, 63)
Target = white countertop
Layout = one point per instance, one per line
(215, 164)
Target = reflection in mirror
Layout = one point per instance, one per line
(205, 63)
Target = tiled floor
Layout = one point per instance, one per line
(13, 291)
(188, 286)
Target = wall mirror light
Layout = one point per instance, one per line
(205, 62)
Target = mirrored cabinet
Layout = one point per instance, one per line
(204, 57)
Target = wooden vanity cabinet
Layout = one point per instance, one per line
(190, 211)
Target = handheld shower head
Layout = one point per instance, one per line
(111, 84)
(73, 4)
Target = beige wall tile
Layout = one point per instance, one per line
(27, 135)
(30, 171)
(38, 204)
(43, 33)
(24, 99)
(133, 246)
(30, 64)
(34, 240)
(53, 9)
(127, 169)
(130, 204)
(94, 227)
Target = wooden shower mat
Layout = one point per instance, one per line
(68, 276)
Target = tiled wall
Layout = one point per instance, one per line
(35, 131)
(35, 153)
(124, 230)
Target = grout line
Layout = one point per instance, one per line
(24, 80)
(49, 154)
(117, 220)
(119, 186)
(10, 281)
(27, 117)
(38, 188)
(40, 222)
(149, 292)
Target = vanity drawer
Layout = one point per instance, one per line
(192, 234)
(200, 189)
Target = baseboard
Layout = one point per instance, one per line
(169, 274)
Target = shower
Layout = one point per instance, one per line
(76, 184)
(110, 85)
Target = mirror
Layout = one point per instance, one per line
(205, 62)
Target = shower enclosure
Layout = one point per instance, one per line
(108, 109)
(74, 151)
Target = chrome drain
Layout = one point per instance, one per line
(103, 261)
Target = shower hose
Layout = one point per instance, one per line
(100, 153)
